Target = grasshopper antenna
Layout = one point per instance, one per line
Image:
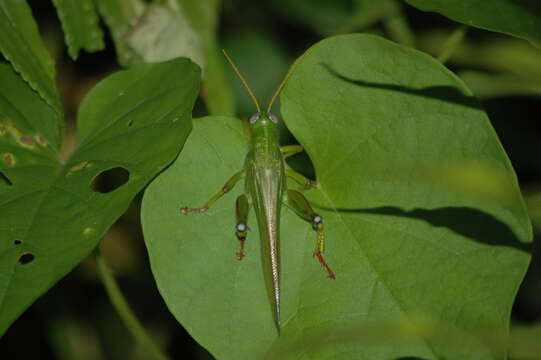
(284, 81)
(246, 86)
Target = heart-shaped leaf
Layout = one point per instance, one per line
(426, 258)
(521, 18)
(54, 212)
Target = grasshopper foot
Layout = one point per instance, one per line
(240, 254)
(186, 210)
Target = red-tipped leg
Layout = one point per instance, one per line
(241, 232)
(240, 254)
(324, 264)
(241, 229)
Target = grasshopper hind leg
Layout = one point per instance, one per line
(302, 207)
(242, 208)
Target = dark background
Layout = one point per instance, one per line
(75, 320)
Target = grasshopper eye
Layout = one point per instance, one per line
(273, 118)
(254, 118)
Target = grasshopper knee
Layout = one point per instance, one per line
(317, 222)
(241, 230)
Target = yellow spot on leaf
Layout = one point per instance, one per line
(9, 159)
(78, 167)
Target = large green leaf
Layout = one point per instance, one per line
(135, 120)
(21, 44)
(521, 18)
(427, 254)
(81, 25)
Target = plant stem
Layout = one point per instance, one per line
(124, 311)
(451, 43)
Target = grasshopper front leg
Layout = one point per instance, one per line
(290, 150)
(302, 207)
(228, 186)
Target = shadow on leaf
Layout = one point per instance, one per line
(443, 93)
(465, 221)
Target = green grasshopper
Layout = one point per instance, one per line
(264, 175)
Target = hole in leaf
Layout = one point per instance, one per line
(26, 258)
(17, 242)
(4, 179)
(110, 180)
(130, 123)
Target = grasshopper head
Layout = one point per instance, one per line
(263, 119)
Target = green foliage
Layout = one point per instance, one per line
(382, 124)
(501, 66)
(81, 26)
(426, 228)
(517, 18)
(21, 44)
(120, 16)
(164, 30)
(52, 213)
(203, 15)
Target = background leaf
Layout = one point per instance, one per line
(204, 16)
(54, 212)
(81, 26)
(520, 18)
(170, 28)
(119, 17)
(155, 37)
(381, 123)
(21, 44)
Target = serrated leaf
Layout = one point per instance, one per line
(136, 120)
(423, 266)
(520, 18)
(21, 44)
(81, 27)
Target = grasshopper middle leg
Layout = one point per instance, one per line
(242, 208)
